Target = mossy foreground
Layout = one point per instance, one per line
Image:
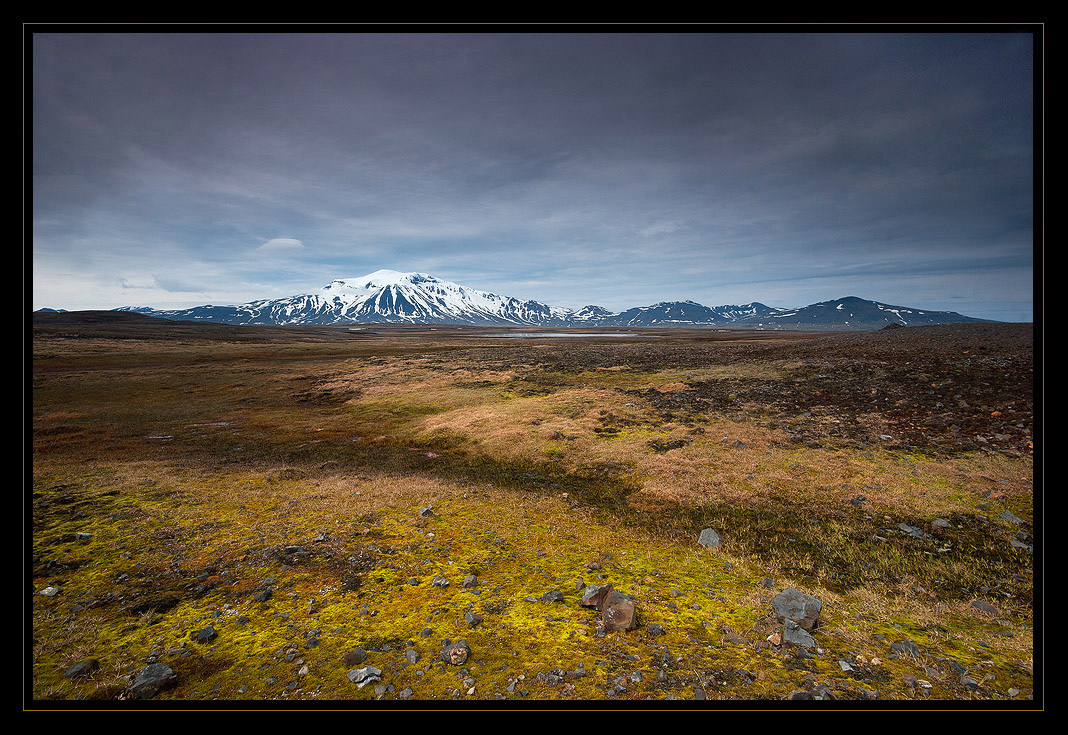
(307, 493)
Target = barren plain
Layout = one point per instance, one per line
(302, 514)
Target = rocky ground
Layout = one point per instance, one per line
(299, 517)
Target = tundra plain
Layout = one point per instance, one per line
(329, 499)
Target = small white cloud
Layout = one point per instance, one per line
(661, 228)
(280, 244)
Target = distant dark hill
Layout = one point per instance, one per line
(53, 318)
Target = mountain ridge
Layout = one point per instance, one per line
(394, 297)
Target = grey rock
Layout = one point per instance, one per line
(440, 581)
(709, 539)
(205, 635)
(151, 680)
(907, 647)
(823, 692)
(405, 693)
(794, 605)
(1008, 515)
(594, 595)
(1017, 544)
(794, 634)
(412, 655)
(470, 581)
(82, 669)
(940, 523)
(553, 596)
(366, 675)
(472, 619)
(262, 595)
(910, 530)
(984, 606)
(456, 654)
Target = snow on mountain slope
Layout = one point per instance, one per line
(388, 296)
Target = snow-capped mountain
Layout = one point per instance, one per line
(850, 313)
(384, 296)
(388, 296)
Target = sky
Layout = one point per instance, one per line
(621, 169)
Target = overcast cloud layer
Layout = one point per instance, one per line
(182, 169)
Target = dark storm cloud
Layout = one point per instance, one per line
(629, 167)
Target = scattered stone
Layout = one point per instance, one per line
(366, 675)
(594, 595)
(472, 619)
(151, 680)
(456, 654)
(709, 539)
(427, 511)
(940, 523)
(798, 636)
(205, 635)
(794, 605)
(405, 693)
(907, 647)
(618, 612)
(440, 581)
(412, 655)
(553, 596)
(470, 581)
(767, 582)
(82, 536)
(50, 591)
(355, 657)
(910, 530)
(655, 629)
(823, 692)
(984, 606)
(1017, 544)
(262, 596)
(1011, 517)
(82, 669)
